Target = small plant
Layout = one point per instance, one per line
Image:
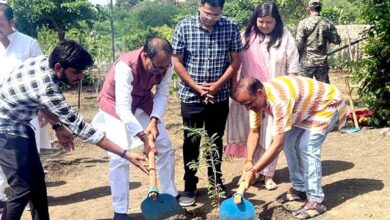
(207, 158)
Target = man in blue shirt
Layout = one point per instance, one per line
(206, 50)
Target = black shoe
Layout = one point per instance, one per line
(2, 206)
(120, 216)
(186, 198)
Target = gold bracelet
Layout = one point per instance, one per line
(248, 161)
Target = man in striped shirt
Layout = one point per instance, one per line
(35, 86)
(304, 111)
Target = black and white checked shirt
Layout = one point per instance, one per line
(33, 86)
(205, 54)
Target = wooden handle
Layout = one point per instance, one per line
(351, 103)
(152, 170)
(152, 175)
(237, 198)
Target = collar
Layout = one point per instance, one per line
(12, 36)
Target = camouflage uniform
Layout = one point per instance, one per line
(313, 36)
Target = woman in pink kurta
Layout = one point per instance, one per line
(269, 51)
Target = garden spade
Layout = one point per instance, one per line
(156, 205)
(237, 207)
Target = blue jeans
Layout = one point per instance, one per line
(303, 153)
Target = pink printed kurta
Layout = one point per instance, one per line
(264, 65)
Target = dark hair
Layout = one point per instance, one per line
(155, 45)
(8, 11)
(213, 3)
(263, 10)
(69, 53)
(316, 8)
(250, 84)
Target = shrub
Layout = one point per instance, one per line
(374, 71)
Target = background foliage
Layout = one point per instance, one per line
(137, 20)
(374, 71)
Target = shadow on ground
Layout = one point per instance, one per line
(335, 194)
(329, 167)
(86, 195)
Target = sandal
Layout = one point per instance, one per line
(309, 210)
(270, 184)
(291, 195)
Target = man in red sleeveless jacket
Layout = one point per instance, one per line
(131, 112)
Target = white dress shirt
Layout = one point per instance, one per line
(123, 88)
(21, 47)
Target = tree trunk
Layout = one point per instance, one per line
(61, 35)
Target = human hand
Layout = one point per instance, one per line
(248, 176)
(65, 138)
(211, 88)
(247, 165)
(137, 161)
(152, 129)
(203, 91)
(149, 144)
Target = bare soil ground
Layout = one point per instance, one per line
(355, 177)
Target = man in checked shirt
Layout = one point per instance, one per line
(31, 87)
(206, 50)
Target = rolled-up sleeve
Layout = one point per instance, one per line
(54, 101)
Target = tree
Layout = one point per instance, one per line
(374, 71)
(126, 3)
(58, 15)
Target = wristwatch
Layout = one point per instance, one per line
(56, 125)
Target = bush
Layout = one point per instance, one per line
(374, 71)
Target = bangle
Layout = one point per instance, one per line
(248, 161)
(123, 153)
(56, 125)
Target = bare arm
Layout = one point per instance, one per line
(273, 151)
(228, 74)
(186, 77)
(269, 155)
(134, 158)
(252, 142)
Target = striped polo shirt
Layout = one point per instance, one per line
(301, 102)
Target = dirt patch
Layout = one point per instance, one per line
(355, 177)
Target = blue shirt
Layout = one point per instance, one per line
(206, 55)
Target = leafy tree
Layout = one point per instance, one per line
(374, 71)
(126, 3)
(343, 11)
(58, 15)
(241, 10)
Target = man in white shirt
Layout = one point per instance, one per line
(15, 48)
(130, 112)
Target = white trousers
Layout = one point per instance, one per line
(119, 167)
(42, 141)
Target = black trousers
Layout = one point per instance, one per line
(22, 167)
(213, 118)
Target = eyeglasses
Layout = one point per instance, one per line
(210, 16)
(160, 68)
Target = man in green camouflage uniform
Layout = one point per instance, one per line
(313, 37)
